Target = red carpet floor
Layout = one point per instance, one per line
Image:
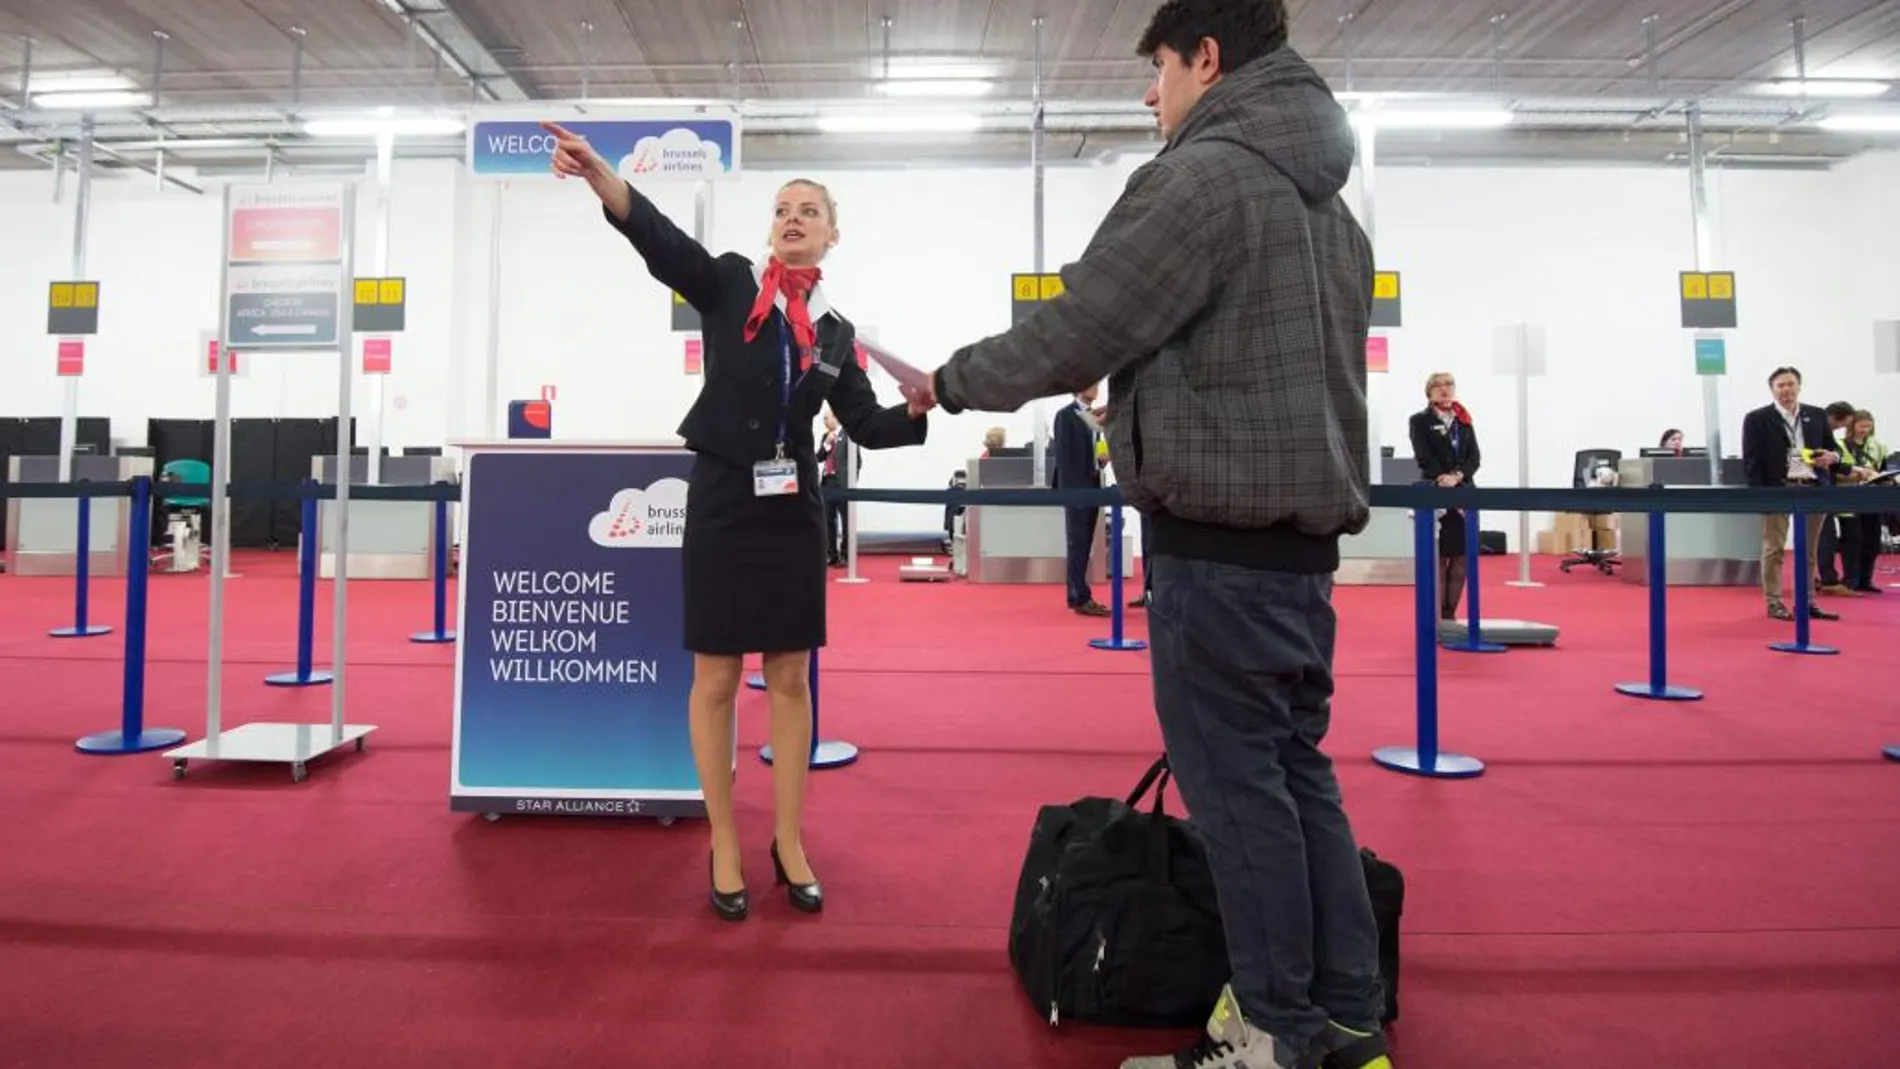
(1705, 885)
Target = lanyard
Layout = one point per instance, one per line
(1453, 433)
(785, 384)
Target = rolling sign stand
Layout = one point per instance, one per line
(288, 253)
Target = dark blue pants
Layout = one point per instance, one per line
(1080, 524)
(1243, 686)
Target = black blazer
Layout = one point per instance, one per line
(1432, 448)
(1073, 443)
(1765, 444)
(736, 415)
(841, 445)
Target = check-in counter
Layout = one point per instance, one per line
(1382, 554)
(1016, 544)
(43, 532)
(388, 539)
(1705, 548)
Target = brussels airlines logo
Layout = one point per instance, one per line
(654, 518)
(679, 151)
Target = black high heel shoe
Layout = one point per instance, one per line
(730, 905)
(808, 897)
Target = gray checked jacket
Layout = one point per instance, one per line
(1226, 299)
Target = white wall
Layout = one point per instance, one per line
(1590, 253)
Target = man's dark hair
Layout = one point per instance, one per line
(1841, 410)
(1780, 371)
(1244, 29)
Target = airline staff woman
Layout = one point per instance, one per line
(1446, 448)
(754, 549)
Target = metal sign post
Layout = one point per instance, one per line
(289, 263)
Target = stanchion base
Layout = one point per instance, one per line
(1524, 584)
(433, 638)
(1667, 694)
(850, 580)
(115, 742)
(756, 681)
(291, 679)
(1473, 647)
(832, 754)
(1810, 649)
(89, 631)
(1892, 753)
(1448, 766)
(1111, 644)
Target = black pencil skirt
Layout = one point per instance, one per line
(754, 566)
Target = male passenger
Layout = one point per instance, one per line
(1827, 579)
(1226, 296)
(1787, 443)
(1076, 464)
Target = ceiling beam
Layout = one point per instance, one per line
(439, 27)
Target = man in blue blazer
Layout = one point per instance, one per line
(1076, 463)
(1788, 443)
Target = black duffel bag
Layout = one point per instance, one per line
(1116, 920)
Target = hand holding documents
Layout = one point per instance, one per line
(912, 382)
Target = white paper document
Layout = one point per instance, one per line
(907, 375)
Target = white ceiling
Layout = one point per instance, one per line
(1576, 70)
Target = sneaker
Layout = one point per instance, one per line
(1230, 1043)
(1339, 1047)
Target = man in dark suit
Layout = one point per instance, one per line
(833, 448)
(1788, 443)
(1075, 464)
(1828, 571)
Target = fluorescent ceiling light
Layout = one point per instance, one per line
(377, 127)
(950, 69)
(874, 123)
(1459, 119)
(89, 101)
(1822, 87)
(78, 83)
(1888, 123)
(944, 87)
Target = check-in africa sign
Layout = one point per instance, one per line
(695, 146)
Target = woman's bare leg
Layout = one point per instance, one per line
(788, 684)
(715, 688)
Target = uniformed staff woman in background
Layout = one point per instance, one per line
(1446, 449)
(754, 545)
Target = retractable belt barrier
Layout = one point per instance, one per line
(1424, 500)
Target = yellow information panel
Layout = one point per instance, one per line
(1387, 309)
(1026, 291)
(72, 308)
(381, 305)
(1708, 300)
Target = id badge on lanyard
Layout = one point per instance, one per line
(779, 476)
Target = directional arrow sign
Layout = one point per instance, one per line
(283, 307)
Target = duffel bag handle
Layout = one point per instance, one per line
(1157, 777)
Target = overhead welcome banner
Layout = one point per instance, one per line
(692, 147)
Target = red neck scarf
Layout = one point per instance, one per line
(796, 283)
(1460, 413)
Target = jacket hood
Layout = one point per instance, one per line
(1278, 108)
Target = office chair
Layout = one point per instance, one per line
(1594, 468)
(184, 519)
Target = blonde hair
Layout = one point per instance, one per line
(994, 438)
(831, 206)
(1437, 377)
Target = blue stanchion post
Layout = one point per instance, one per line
(825, 753)
(82, 578)
(307, 542)
(1801, 598)
(133, 736)
(440, 583)
(1425, 759)
(1474, 618)
(1658, 688)
(1115, 641)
